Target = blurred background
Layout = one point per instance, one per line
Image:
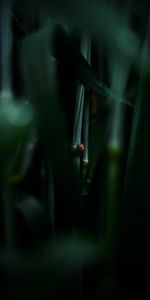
(74, 149)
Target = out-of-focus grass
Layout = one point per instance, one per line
(52, 270)
(40, 69)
